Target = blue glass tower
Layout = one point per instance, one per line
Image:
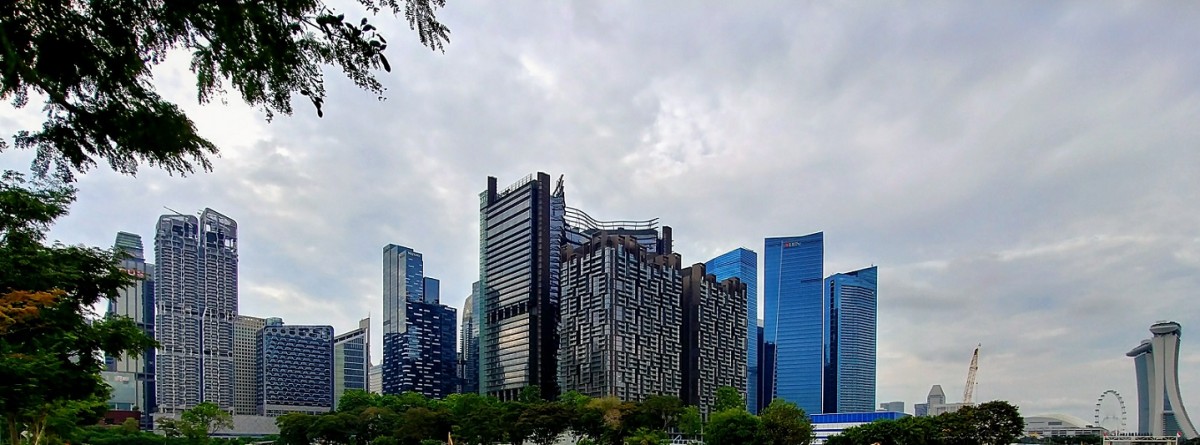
(852, 301)
(793, 275)
(419, 333)
(742, 263)
(295, 369)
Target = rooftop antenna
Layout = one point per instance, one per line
(174, 211)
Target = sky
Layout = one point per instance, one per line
(1020, 171)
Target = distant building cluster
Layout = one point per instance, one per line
(564, 302)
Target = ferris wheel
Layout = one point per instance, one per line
(1110, 412)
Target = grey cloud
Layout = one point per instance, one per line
(1022, 173)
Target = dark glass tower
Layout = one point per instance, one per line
(793, 275)
(469, 336)
(521, 231)
(419, 333)
(850, 337)
(742, 263)
(137, 303)
(295, 369)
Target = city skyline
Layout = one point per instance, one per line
(964, 149)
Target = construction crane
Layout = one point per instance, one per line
(969, 390)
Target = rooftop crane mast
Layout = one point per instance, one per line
(969, 389)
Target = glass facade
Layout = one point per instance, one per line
(792, 284)
(469, 336)
(521, 231)
(136, 302)
(766, 370)
(850, 337)
(423, 358)
(295, 369)
(403, 280)
(419, 333)
(351, 360)
(196, 300)
(742, 263)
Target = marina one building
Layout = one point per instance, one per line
(196, 301)
(1156, 361)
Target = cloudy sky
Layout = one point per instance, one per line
(1020, 171)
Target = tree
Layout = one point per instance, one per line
(293, 428)
(728, 398)
(998, 422)
(197, 423)
(476, 418)
(546, 421)
(784, 423)
(92, 62)
(658, 412)
(51, 341)
(733, 427)
(690, 422)
(646, 436)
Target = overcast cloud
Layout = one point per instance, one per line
(1024, 173)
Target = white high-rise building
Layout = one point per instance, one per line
(196, 298)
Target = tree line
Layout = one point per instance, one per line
(991, 423)
(413, 419)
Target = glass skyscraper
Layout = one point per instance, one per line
(295, 369)
(520, 235)
(794, 315)
(196, 300)
(742, 263)
(137, 303)
(351, 360)
(419, 333)
(850, 337)
(469, 338)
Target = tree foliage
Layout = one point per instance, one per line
(728, 398)
(733, 427)
(92, 63)
(51, 341)
(198, 423)
(784, 423)
(995, 422)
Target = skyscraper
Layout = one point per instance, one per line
(295, 369)
(136, 302)
(713, 336)
(403, 281)
(419, 333)
(619, 332)
(375, 379)
(196, 297)
(793, 275)
(742, 263)
(766, 369)
(469, 337)
(351, 360)
(850, 336)
(520, 235)
(245, 364)
(1156, 362)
